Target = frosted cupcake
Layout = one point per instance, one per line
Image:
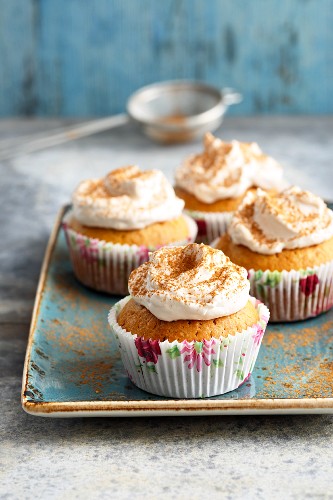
(214, 182)
(189, 327)
(285, 241)
(116, 221)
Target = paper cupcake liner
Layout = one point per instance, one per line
(294, 295)
(106, 266)
(189, 369)
(211, 225)
(214, 242)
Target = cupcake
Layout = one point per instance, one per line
(213, 183)
(189, 328)
(285, 241)
(116, 221)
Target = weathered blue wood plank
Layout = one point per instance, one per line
(17, 58)
(80, 58)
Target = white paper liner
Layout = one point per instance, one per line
(294, 295)
(214, 243)
(189, 369)
(211, 225)
(106, 266)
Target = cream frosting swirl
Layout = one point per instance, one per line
(191, 282)
(228, 170)
(269, 223)
(127, 198)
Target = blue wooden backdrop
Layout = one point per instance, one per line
(85, 57)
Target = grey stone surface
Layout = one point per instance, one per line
(218, 457)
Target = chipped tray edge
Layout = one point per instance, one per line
(169, 407)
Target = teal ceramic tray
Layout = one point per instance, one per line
(73, 368)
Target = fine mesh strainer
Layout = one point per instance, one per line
(175, 111)
(179, 111)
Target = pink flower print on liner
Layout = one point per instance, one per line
(88, 251)
(198, 352)
(308, 285)
(258, 335)
(265, 319)
(148, 349)
(89, 254)
(143, 254)
(202, 227)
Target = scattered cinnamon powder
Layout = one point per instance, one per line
(304, 373)
(88, 359)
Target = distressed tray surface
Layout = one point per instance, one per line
(73, 367)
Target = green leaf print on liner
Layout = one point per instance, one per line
(139, 367)
(151, 368)
(240, 374)
(272, 279)
(261, 291)
(258, 275)
(173, 352)
(218, 363)
(306, 272)
(198, 347)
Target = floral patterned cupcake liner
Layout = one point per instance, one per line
(189, 369)
(294, 295)
(211, 225)
(106, 266)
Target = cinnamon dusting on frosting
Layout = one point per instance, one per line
(127, 198)
(227, 170)
(190, 282)
(96, 189)
(127, 180)
(267, 223)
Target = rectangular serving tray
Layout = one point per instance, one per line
(73, 368)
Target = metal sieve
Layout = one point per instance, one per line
(179, 111)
